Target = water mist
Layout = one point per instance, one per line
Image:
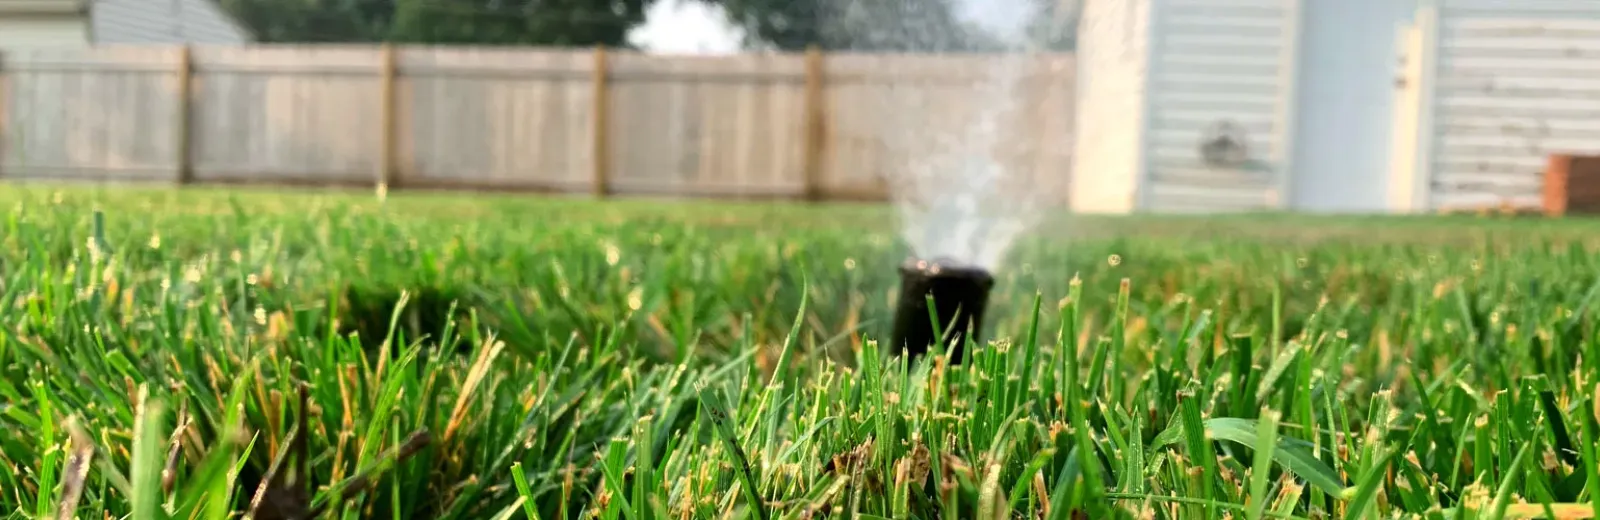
(960, 205)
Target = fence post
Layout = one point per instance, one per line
(816, 124)
(601, 145)
(388, 175)
(185, 137)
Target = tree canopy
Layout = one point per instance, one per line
(886, 25)
(866, 25)
(512, 22)
(521, 22)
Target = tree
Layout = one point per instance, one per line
(885, 25)
(522, 22)
(518, 22)
(314, 20)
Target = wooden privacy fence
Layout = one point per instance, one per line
(584, 121)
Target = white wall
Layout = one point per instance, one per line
(164, 22)
(1514, 81)
(1112, 54)
(1335, 121)
(1214, 61)
(42, 30)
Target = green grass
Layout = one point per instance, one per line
(204, 355)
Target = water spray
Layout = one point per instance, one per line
(959, 294)
(961, 203)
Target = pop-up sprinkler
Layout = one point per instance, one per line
(959, 293)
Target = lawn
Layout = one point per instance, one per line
(201, 354)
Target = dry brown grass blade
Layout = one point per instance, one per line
(285, 492)
(1043, 492)
(265, 489)
(1562, 511)
(367, 478)
(77, 470)
(480, 368)
(169, 472)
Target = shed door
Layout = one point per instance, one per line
(1344, 103)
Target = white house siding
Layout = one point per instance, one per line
(1111, 58)
(42, 30)
(164, 22)
(1515, 80)
(1216, 60)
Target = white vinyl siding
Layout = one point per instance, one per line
(1516, 81)
(200, 22)
(1215, 61)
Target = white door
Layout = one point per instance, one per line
(1344, 101)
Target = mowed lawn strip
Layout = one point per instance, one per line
(208, 354)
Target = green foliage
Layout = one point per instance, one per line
(197, 354)
(897, 25)
(524, 22)
(314, 21)
(466, 22)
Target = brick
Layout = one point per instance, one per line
(1572, 185)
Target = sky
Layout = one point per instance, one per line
(687, 27)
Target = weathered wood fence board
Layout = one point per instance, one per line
(107, 115)
(713, 126)
(295, 114)
(521, 119)
(892, 116)
(495, 118)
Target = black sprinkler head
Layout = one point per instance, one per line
(960, 294)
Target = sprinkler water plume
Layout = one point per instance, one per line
(962, 181)
(959, 293)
